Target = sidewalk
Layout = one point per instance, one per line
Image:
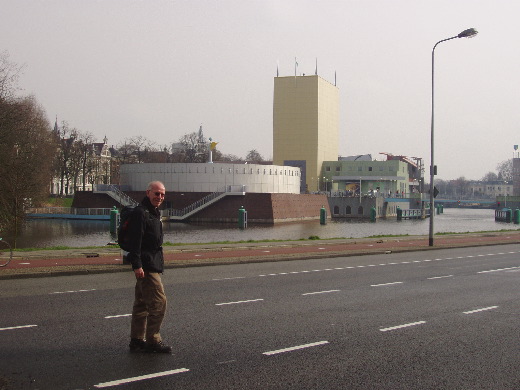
(109, 259)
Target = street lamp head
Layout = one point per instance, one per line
(469, 33)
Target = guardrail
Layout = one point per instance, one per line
(205, 201)
(123, 198)
(201, 202)
(69, 211)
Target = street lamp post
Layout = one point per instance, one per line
(469, 33)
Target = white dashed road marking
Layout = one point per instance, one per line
(237, 302)
(385, 284)
(74, 291)
(119, 316)
(497, 270)
(290, 349)
(18, 327)
(480, 310)
(140, 378)
(321, 292)
(402, 326)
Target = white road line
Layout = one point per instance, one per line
(480, 310)
(385, 284)
(402, 326)
(19, 327)
(119, 315)
(290, 349)
(140, 378)
(321, 292)
(71, 292)
(497, 270)
(354, 267)
(237, 302)
(440, 277)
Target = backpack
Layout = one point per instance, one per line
(123, 237)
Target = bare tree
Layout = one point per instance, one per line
(505, 170)
(9, 74)
(26, 156)
(66, 153)
(490, 176)
(195, 147)
(253, 156)
(84, 154)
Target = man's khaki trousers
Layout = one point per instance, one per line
(149, 308)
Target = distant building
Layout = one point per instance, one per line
(305, 125)
(516, 172)
(397, 176)
(490, 189)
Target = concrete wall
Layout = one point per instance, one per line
(206, 177)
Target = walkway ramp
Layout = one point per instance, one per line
(114, 192)
(201, 204)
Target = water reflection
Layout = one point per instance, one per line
(49, 233)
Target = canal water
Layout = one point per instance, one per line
(46, 233)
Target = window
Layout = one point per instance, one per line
(348, 210)
(327, 169)
(336, 210)
(360, 210)
(360, 168)
(369, 169)
(338, 169)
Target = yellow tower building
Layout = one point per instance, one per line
(305, 125)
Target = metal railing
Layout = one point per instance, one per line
(69, 210)
(124, 199)
(198, 204)
(115, 193)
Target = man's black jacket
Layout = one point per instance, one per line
(146, 234)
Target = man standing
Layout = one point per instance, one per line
(146, 256)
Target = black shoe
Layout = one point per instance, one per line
(159, 347)
(137, 345)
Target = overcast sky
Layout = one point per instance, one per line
(160, 69)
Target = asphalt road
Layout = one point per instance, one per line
(439, 319)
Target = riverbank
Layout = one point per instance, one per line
(45, 263)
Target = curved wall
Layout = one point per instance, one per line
(212, 177)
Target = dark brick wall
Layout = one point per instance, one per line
(87, 199)
(262, 208)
